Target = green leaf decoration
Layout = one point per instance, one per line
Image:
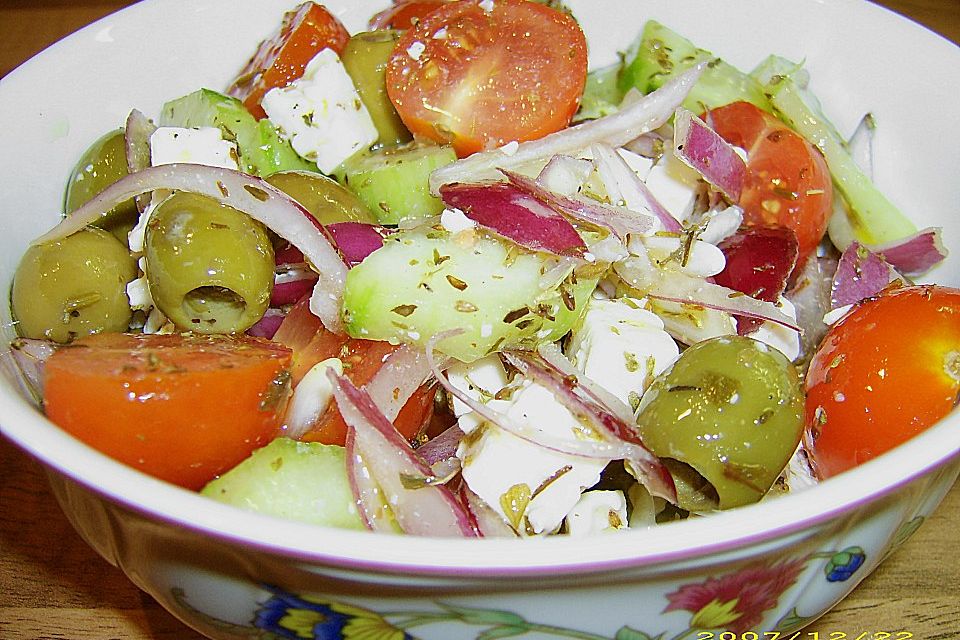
(501, 632)
(486, 617)
(626, 633)
(792, 621)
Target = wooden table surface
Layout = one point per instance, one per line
(53, 586)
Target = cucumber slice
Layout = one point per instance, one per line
(261, 149)
(294, 480)
(661, 53)
(393, 182)
(427, 281)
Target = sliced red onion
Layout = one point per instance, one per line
(287, 254)
(255, 197)
(564, 174)
(617, 129)
(702, 149)
(861, 144)
(30, 356)
(915, 254)
(291, 283)
(861, 273)
(404, 371)
(651, 144)
(136, 135)
(515, 214)
(266, 327)
(488, 521)
(594, 449)
(684, 289)
(442, 447)
(371, 502)
(429, 510)
(623, 184)
(810, 296)
(618, 220)
(357, 240)
(759, 260)
(606, 413)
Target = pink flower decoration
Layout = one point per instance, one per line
(737, 600)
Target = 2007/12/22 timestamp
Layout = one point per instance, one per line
(804, 635)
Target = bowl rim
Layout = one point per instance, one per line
(768, 521)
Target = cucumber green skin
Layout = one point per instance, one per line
(304, 481)
(872, 218)
(662, 53)
(393, 183)
(400, 294)
(262, 150)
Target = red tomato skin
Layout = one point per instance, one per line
(885, 372)
(311, 343)
(304, 32)
(156, 402)
(788, 182)
(513, 73)
(403, 15)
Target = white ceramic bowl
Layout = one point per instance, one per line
(228, 573)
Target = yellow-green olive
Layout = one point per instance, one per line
(102, 164)
(365, 58)
(727, 416)
(209, 266)
(326, 199)
(73, 287)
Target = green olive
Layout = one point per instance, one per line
(210, 267)
(73, 287)
(102, 164)
(727, 417)
(325, 198)
(365, 59)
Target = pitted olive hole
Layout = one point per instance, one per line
(212, 305)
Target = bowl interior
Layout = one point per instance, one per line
(70, 94)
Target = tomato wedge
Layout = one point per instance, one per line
(405, 14)
(311, 343)
(787, 183)
(281, 59)
(155, 402)
(478, 75)
(885, 372)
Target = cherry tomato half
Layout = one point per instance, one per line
(885, 372)
(479, 76)
(312, 343)
(405, 14)
(156, 402)
(787, 183)
(281, 59)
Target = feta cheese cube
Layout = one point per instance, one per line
(481, 380)
(621, 346)
(321, 113)
(675, 185)
(531, 487)
(598, 512)
(203, 145)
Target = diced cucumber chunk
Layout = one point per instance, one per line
(392, 182)
(262, 151)
(295, 480)
(601, 94)
(661, 53)
(427, 281)
(872, 218)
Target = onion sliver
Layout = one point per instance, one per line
(260, 200)
(136, 136)
(702, 149)
(357, 240)
(915, 254)
(30, 355)
(861, 273)
(374, 510)
(646, 114)
(402, 373)
(267, 325)
(430, 509)
(623, 184)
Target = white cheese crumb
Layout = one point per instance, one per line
(510, 148)
(416, 50)
(487, 5)
(454, 220)
(597, 512)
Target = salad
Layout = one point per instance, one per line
(439, 278)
